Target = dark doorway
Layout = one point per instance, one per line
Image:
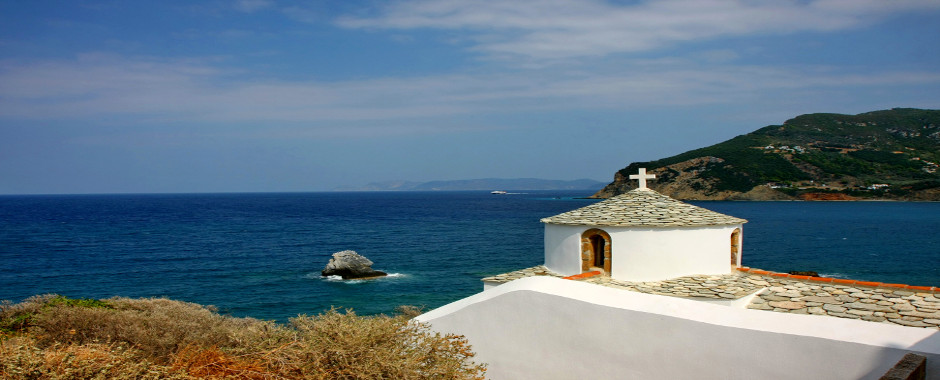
(598, 242)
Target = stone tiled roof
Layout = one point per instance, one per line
(643, 208)
(905, 307)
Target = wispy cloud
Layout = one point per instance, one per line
(556, 29)
(249, 6)
(197, 91)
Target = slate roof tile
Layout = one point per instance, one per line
(643, 208)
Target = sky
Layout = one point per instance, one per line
(269, 96)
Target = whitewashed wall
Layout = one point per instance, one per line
(563, 248)
(548, 328)
(653, 254)
(645, 254)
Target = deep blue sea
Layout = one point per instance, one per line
(260, 255)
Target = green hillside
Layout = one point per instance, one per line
(856, 155)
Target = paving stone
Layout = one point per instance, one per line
(903, 307)
(831, 300)
(926, 305)
(800, 311)
(932, 321)
(816, 310)
(790, 305)
(874, 319)
(844, 315)
(910, 323)
(835, 308)
(860, 312)
(919, 314)
(867, 306)
(884, 303)
(846, 298)
(775, 297)
(903, 293)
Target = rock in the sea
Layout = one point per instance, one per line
(350, 265)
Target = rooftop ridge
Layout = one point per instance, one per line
(897, 304)
(840, 281)
(643, 208)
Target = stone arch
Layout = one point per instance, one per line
(595, 250)
(735, 247)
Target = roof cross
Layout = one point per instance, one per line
(642, 176)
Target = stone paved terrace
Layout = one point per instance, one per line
(911, 306)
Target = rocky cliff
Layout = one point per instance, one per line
(892, 154)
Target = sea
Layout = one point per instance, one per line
(260, 254)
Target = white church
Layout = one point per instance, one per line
(642, 236)
(589, 311)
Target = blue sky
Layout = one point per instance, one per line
(265, 95)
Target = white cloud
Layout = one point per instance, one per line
(555, 29)
(101, 86)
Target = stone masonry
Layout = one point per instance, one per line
(892, 305)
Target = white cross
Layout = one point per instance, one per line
(642, 176)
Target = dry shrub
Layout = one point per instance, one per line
(21, 358)
(156, 326)
(336, 345)
(186, 339)
(212, 363)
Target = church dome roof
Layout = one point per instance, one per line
(643, 208)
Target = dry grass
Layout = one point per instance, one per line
(21, 358)
(52, 337)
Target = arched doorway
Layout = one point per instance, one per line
(735, 246)
(595, 250)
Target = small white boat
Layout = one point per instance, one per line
(497, 192)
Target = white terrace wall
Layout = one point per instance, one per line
(548, 328)
(645, 254)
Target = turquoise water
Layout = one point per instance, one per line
(260, 255)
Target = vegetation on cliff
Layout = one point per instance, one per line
(890, 154)
(53, 337)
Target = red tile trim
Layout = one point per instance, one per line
(900, 286)
(874, 284)
(583, 275)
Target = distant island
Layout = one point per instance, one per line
(481, 184)
(882, 155)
